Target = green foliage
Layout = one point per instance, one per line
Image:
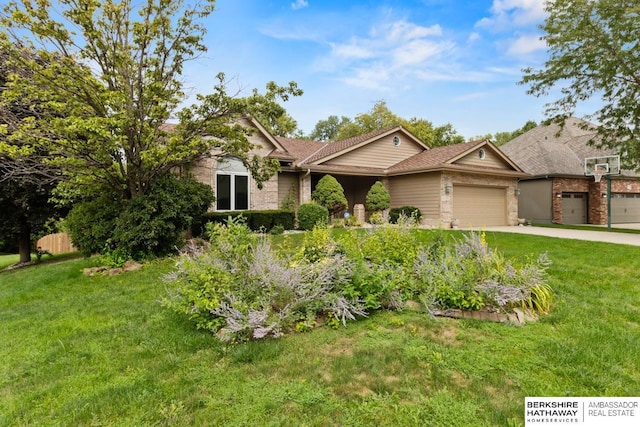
(376, 218)
(330, 194)
(500, 138)
(91, 224)
(289, 202)
(381, 117)
(148, 225)
(593, 53)
(246, 291)
(106, 125)
(378, 197)
(407, 211)
(259, 293)
(329, 129)
(255, 220)
(311, 214)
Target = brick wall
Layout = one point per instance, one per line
(596, 203)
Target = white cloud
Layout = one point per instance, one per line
(473, 37)
(524, 45)
(390, 51)
(299, 4)
(513, 13)
(351, 51)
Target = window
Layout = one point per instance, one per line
(396, 141)
(232, 185)
(481, 153)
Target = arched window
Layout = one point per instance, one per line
(232, 185)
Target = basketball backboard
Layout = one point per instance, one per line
(603, 165)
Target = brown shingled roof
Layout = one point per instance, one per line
(552, 150)
(300, 148)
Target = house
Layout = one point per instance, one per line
(472, 182)
(557, 190)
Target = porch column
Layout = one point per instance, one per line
(305, 188)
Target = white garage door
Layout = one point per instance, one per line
(625, 207)
(479, 206)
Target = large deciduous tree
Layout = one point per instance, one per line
(113, 77)
(594, 48)
(26, 178)
(109, 78)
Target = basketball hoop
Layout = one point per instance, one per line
(598, 173)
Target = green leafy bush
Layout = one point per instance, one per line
(378, 198)
(310, 214)
(242, 289)
(408, 211)
(376, 218)
(255, 220)
(150, 224)
(330, 194)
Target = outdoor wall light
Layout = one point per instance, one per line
(558, 195)
(517, 192)
(448, 188)
(604, 195)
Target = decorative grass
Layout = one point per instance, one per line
(101, 350)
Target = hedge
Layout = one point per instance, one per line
(256, 220)
(410, 211)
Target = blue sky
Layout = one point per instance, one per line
(445, 61)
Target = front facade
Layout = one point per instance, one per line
(557, 190)
(471, 184)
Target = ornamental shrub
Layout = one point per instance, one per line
(378, 198)
(408, 211)
(330, 194)
(150, 224)
(311, 214)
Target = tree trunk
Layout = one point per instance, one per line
(24, 244)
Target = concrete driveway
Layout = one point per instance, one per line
(594, 236)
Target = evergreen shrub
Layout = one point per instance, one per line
(311, 214)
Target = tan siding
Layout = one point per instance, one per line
(287, 182)
(379, 154)
(491, 160)
(479, 206)
(421, 191)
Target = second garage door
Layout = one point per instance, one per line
(479, 206)
(625, 207)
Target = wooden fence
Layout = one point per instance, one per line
(58, 243)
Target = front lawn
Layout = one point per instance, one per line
(101, 350)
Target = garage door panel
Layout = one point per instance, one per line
(479, 206)
(625, 207)
(574, 208)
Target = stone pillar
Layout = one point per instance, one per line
(358, 212)
(305, 188)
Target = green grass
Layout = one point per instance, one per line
(7, 260)
(101, 350)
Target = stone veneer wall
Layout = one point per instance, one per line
(446, 213)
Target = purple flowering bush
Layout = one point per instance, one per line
(240, 288)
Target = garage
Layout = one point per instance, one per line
(479, 206)
(625, 207)
(574, 208)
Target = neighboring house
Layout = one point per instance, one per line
(473, 182)
(557, 190)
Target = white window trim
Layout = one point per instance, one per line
(232, 190)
